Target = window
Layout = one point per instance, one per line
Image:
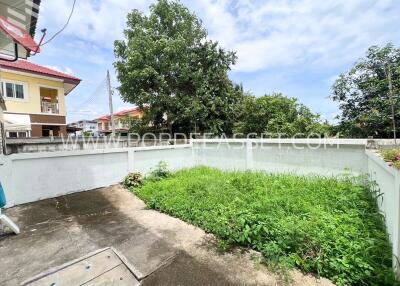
(12, 134)
(18, 134)
(13, 90)
(22, 135)
(9, 90)
(19, 91)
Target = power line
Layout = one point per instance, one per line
(63, 28)
(55, 34)
(93, 95)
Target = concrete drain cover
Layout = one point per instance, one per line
(102, 267)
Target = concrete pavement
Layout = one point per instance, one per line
(163, 250)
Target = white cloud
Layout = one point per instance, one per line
(267, 34)
(294, 46)
(319, 34)
(123, 107)
(69, 71)
(100, 22)
(65, 70)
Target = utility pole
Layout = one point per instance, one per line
(110, 102)
(391, 98)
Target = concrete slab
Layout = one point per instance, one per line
(164, 250)
(102, 267)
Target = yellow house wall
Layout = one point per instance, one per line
(31, 104)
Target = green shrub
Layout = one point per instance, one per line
(327, 226)
(159, 172)
(390, 154)
(133, 180)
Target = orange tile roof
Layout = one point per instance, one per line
(23, 65)
(121, 113)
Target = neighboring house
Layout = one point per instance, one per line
(104, 122)
(35, 99)
(85, 126)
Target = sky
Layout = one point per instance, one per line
(297, 47)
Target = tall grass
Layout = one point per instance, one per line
(327, 226)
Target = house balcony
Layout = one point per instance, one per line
(50, 107)
(49, 100)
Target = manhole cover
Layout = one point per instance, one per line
(102, 267)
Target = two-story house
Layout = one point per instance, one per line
(105, 126)
(34, 96)
(85, 126)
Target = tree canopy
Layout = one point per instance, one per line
(364, 96)
(277, 114)
(167, 63)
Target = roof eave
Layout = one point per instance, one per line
(65, 79)
(69, 86)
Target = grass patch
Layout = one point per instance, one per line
(327, 226)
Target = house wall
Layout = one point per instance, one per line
(118, 120)
(86, 125)
(89, 126)
(32, 86)
(101, 125)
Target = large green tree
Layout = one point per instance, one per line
(277, 114)
(166, 63)
(368, 94)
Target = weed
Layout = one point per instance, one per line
(133, 180)
(159, 172)
(392, 156)
(327, 226)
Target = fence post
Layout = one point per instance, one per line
(195, 161)
(131, 160)
(249, 154)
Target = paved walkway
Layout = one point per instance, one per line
(162, 249)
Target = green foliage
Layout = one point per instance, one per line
(392, 156)
(138, 125)
(363, 94)
(133, 180)
(278, 114)
(167, 63)
(87, 134)
(327, 226)
(159, 172)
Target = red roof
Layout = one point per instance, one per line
(121, 113)
(23, 65)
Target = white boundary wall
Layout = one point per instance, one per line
(29, 177)
(301, 156)
(387, 181)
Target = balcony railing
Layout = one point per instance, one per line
(50, 107)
